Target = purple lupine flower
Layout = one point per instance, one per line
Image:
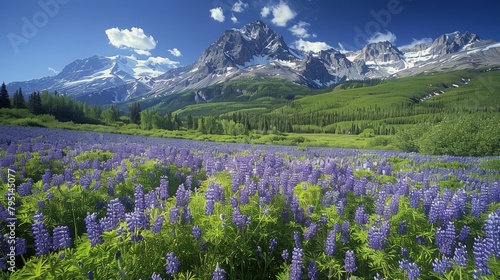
(438, 207)
(20, 246)
(41, 235)
(61, 238)
(163, 187)
(475, 207)
(174, 215)
(90, 275)
(420, 239)
(345, 232)
(46, 177)
(68, 175)
(296, 238)
(115, 212)
(196, 232)
(296, 267)
(482, 253)
(414, 197)
(157, 224)
(41, 204)
(460, 257)
(492, 232)
(258, 253)
(402, 227)
(209, 201)
(330, 243)
(394, 207)
(445, 239)
(111, 186)
(463, 236)
(182, 196)
(239, 219)
(24, 189)
(413, 271)
(57, 179)
(360, 217)
(273, 244)
(294, 204)
(285, 255)
(139, 203)
(172, 266)
(312, 270)
(94, 229)
(376, 238)
(350, 262)
(311, 231)
(219, 274)
(86, 180)
(186, 216)
(323, 220)
(155, 276)
(233, 201)
(440, 266)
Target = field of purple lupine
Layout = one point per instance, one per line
(85, 205)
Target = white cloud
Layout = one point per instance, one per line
(282, 13)
(217, 14)
(308, 46)
(416, 42)
(53, 70)
(265, 11)
(175, 52)
(134, 39)
(343, 49)
(300, 30)
(162, 61)
(234, 19)
(381, 37)
(239, 7)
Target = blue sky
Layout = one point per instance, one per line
(40, 37)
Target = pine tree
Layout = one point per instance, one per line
(135, 113)
(18, 100)
(4, 97)
(189, 122)
(35, 103)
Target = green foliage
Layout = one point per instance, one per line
(465, 135)
(367, 133)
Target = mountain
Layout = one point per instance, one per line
(256, 50)
(115, 78)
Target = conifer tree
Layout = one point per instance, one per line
(135, 113)
(4, 97)
(35, 103)
(18, 100)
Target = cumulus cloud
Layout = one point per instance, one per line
(381, 37)
(300, 30)
(134, 39)
(308, 46)
(416, 42)
(162, 61)
(265, 11)
(282, 13)
(175, 52)
(234, 19)
(217, 14)
(239, 7)
(53, 70)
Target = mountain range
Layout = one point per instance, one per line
(256, 50)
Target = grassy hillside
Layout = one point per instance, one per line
(247, 95)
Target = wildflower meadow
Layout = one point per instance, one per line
(86, 205)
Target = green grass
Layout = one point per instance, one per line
(482, 91)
